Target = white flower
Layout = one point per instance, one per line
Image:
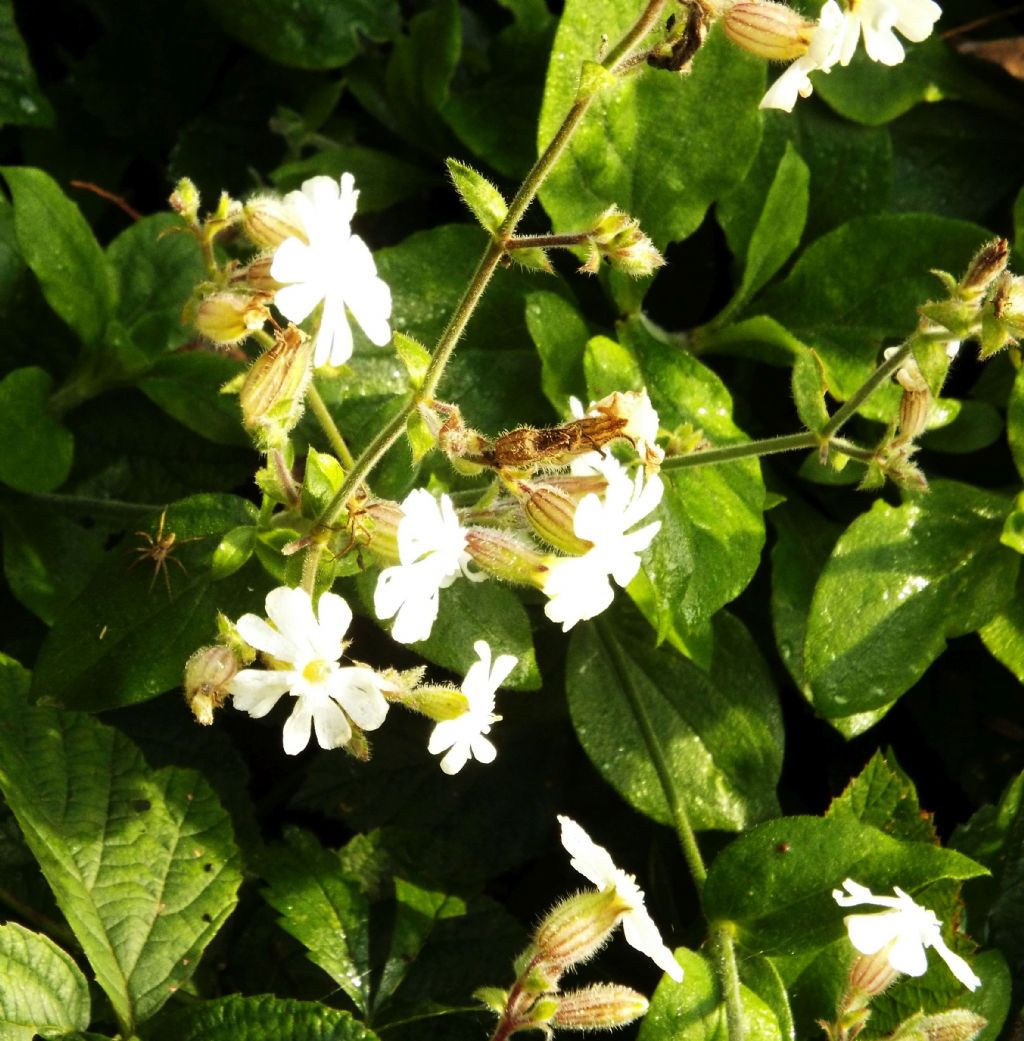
(878, 21)
(463, 737)
(595, 864)
(305, 650)
(642, 424)
(577, 587)
(822, 53)
(905, 930)
(432, 551)
(333, 266)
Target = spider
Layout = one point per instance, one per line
(159, 549)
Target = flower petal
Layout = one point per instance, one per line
(357, 690)
(291, 610)
(963, 972)
(642, 934)
(907, 955)
(334, 617)
(296, 729)
(255, 631)
(592, 861)
(456, 759)
(331, 725)
(869, 933)
(257, 691)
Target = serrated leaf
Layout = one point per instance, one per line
(775, 882)
(37, 446)
(60, 248)
(485, 202)
(900, 581)
(42, 990)
(324, 910)
(648, 719)
(142, 863)
(694, 1010)
(260, 1018)
(125, 638)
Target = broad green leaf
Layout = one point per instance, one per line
(661, 731)
(560, 335)
(810, 386)
(712, 521)
(42, 990)
(662, 147)
(900, 581)
(60, 248)
(694, 1010)
(37, 446)
(142, 862)
(308, 34)
(323, 908)
(415, 357)
(125, 638)
(778, 229)
(260, 1018)
(962, 427)
(157, 264)
(1004, 634)
(775, 882)
(22, 103)
(321, 482)
(862, 283)
(764, 979)
(485, 202)
(761, 338)
(1015, 421)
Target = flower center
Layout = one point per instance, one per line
(317, 670)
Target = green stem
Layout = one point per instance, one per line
(867, 388)
(76, 505)
(330, 428)
(729, 977)
(547, 241)
(747, 450)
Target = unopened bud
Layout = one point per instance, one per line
(617, 237)
(507, 556)
(1002, 316)
(228, 318)
(986, 266)
(958, 1024)
(915, 410)
(207, 675)
(870, 975)
(552, 514)
(185, 200)
(600, 1007)
(267, 221)
(273, 395)
(256, 276)
(437, 703)
(576, 929)
(769, 30)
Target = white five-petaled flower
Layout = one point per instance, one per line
(305, 649)
(595, 864)
(578, 587)
(333, 266)
(432, 552)
(463, 738)
(823, 52)
(879, 20)
(903, 931)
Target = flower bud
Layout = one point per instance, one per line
(915, 410)
(1002, 317)
(617, 237)
(507, 556)
(228, 318)
(207, 675)
(256, 276)
(267, 221)
(871, 975)
(375, 526)
(551, 513)
(273, 395)
(986, 266)
(769, 30)
(437, 703)
(185, 200)
(958, 1024)
(576, 929)
(600, 1007)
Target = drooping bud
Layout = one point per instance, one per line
(769, 30)
(185, 200)
(958, 1024)
(617, 238)
(228, 318)
(207, 675)
(575, 930)
(602, 1006)
(507, 556)
(273, 395)
(267, 221)
(552, 514)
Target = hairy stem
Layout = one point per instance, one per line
(547, 241)
(729, 977)
(329, 427)
(867, 388)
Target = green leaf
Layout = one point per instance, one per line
(125, 639)
(42, 990)
(22, 103)
(661, 147)
(60, 248)
(1015, 421)
(324, 476)
(560, 335)
(660, 730)
(232, 552)
(900, 581)
(157, 264)
(764, 979)
(261, 1018)
(142, 862)
(323, 908)
(862, 283)
(37, 446)
(1004, 634)
(694, 1010)
(777, 232)
(775, 882)
(810, 385)
(483, 199)
(415, 357)
(308, 34)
